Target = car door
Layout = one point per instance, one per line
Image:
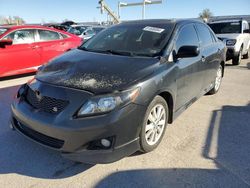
(20, 57)
(51, 43)
(188, 79)
(210, 56)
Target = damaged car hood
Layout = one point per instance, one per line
(96, 72)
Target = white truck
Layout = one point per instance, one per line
(235, 34)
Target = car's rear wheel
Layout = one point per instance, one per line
(217, 82)
(237, 59)
(154, 125)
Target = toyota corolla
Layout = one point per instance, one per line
(117, 93)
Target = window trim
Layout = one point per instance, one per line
(200, 41)
(21, 30)
(178, 34)
(38, 35)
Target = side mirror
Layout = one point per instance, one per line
(188, 51)
(246, 31)
(5, 42)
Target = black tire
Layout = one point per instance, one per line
(216, 88)
(157, 101)
(246, 56)
(237, 59)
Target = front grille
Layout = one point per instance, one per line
(44, 103)
(39, 137)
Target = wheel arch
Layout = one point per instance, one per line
(223, 67)
(170, 102)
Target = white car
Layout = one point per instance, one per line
(84, 31)
(235, 34)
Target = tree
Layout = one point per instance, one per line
(12, 20)
(205, 14)
(17, 20)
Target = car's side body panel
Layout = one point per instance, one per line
(28, 56)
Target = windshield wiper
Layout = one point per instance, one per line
(107, 51)
(119, 52)
(116, 52)
(82, 48)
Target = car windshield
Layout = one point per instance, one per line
(131, 39)
(226, 27)
(78, 30)
(2, 30)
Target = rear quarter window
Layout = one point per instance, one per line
(46, 35)
(63, 36)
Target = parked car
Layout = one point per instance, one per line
(68, 23)
(117, 93)
(235, 34)
(84, 31)
(24, 48)
(58, 26)
(98, 29)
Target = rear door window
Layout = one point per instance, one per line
(204, 35)
(45, 35)
(24, 36)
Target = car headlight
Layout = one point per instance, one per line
(107, 103)
(231, 42)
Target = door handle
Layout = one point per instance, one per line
(203, 59)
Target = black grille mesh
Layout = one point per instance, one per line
(44, 103)
(39, 137)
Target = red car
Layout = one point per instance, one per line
(24, 48)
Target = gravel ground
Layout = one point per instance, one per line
(207, 146)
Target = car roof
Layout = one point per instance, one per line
(14, 27)
(80, 25)
(163, 21)
(226, 21)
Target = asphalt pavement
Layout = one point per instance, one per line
(207, 146)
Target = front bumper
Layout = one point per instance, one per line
(72, 136)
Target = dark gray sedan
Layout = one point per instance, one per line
(117, 93)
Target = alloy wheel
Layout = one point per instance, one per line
(218, 78)
(155, 124)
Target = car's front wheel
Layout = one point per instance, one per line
(154, 125)
(246, 56)
(237, 59)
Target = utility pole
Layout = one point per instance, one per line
(120, 4)
(105, 7)
(143, 4)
